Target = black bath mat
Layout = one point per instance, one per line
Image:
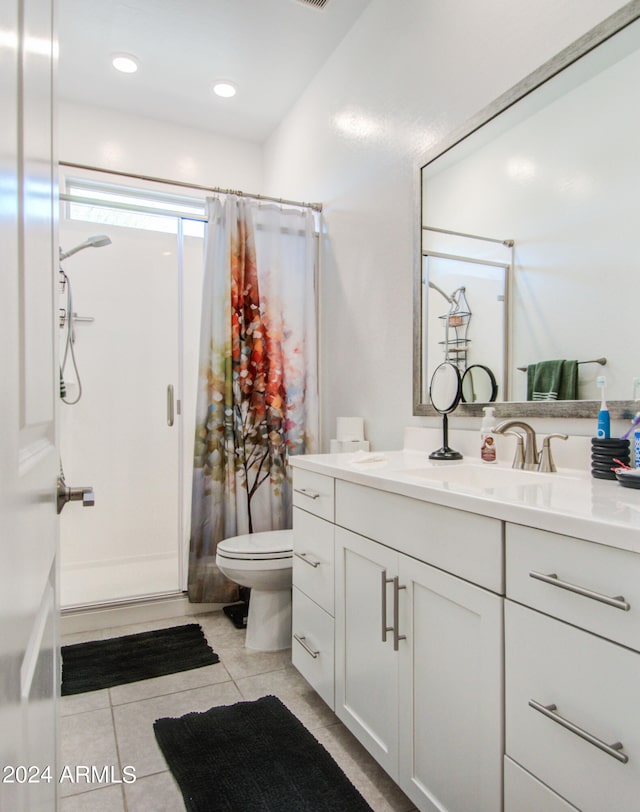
(105, 663)
(253, 757)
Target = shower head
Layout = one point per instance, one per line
(97, 241)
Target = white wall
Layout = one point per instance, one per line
(117, 141)
(406, 74)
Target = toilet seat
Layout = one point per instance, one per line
(267, 546)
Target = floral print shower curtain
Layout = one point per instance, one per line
(257, 401)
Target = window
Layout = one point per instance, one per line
(112, 204)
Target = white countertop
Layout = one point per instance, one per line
(570, 502)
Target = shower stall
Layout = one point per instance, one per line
(127, 418)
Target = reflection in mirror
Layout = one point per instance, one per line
(445, 392)
(479, 385)
(464, 311)
(552, 165)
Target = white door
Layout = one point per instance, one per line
(123, 436)
(366, 665)
(29, 673)
(451, 690)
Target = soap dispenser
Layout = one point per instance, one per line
(487, 438)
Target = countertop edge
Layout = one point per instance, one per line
(610, 530)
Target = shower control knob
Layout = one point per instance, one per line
(66, 494)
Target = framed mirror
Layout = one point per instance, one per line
(532, 209)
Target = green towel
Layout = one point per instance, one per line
(552, 380)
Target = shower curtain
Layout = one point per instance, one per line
(257, 400)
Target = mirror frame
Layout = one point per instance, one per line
(569, 408)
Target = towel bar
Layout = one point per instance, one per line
(601, 361)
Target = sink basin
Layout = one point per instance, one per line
(481, 477)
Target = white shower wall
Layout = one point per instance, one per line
(116, 438)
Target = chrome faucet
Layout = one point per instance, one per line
(531, 460)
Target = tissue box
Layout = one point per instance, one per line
(349, 429)
(342, 446)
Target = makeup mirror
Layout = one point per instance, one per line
(479, 385)
(445, 391)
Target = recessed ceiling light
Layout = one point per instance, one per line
(224, 89)
(125, 63)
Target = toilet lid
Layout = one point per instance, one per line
(256, 546)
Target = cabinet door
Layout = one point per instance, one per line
(572, 716)
(366, 666)
(451, 691)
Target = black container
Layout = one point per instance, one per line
(604, 453)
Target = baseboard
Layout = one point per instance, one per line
(96, 618)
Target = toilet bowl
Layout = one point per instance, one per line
(263, 562)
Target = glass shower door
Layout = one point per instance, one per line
(121, 437)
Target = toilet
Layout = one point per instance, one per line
(263, 562)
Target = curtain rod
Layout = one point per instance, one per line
(137, 208)
(183, 184)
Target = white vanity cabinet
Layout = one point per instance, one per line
(571, 689)
(312, 644)
(419, 650)
(488, 663)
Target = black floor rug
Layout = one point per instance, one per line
(105, 663)
(253, 757)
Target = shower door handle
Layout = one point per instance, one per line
(170, 414)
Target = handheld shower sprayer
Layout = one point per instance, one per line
(97, 241)
(68, 316)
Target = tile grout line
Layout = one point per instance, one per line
(125, 805)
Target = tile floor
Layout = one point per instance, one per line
(114, 726)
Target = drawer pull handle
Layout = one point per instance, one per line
(303, 642)
(550, 712)
(618, 602)
(396, 613)
(305, 557)
(383, 602)
(306, 492)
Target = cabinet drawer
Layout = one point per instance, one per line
(313, 558)
(524, 793)
(461, 543)
(312, 651)
(594, 685)
(603, 572)
(314, 493)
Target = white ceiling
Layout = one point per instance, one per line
(270, 49)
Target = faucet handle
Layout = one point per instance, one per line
(518, 457)
(546, 464)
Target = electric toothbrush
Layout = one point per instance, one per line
(604, 422)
